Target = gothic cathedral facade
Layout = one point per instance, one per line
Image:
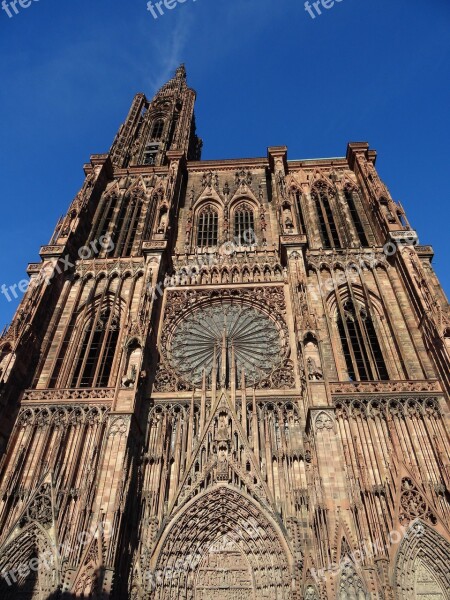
(228, 380)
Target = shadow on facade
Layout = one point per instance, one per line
(29, 590)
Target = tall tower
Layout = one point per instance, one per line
(227, 379)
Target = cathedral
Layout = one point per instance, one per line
(227, 380)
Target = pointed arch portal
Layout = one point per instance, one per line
(223, 547)
(27, 566)
(422, 564)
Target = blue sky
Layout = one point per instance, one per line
(266, 73)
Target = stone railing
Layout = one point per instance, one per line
(84, 395)
(51, 251)
(429, 386)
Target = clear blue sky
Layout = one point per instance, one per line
(265, 73)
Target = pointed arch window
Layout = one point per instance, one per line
(150, 154)
(244, 226)
(157, 130)
(96, 354)
(126, 226)
(208, 228)
(351, 586)
(132, 228)
(5, 356)
(105, 217)
(321, 196)
(298, 206)
(349, 196)
(360, 344)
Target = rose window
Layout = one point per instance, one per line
(223, 332)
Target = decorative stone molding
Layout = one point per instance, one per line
(62, 415)
(425, 251)
(226, 268)
(34, 268)
(431, 386)
(148, 247)
(57, 395)
(51, 251)
(293, 240)
(370, 407)
(119, 426)
(413, 505)
(404, 237)
(40, 509)
(323, 420)
(110, 266)
(346, 259)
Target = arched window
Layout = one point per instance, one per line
(5, 360)
(157, 130)
(126, 226)
(351, 586)
(321, 195)
(244, 226)
(105, 217)
(362, 350)
(208, 228)
(298, 205)
(150, 154)
(97, 350)
(355, 217)
(131, 229)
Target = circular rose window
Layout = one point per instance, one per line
(225, 330)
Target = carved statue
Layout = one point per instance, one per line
(314, 373)
(130, 379)
(162, 222)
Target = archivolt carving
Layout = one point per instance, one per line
(31, 545)
(225, 532)
(421, 569)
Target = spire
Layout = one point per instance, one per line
(181, 72)
(153, 128)
(175, 86)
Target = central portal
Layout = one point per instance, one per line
(225, 575)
